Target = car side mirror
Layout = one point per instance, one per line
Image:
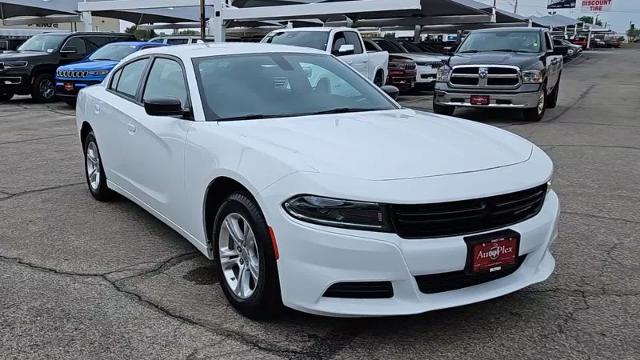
(392, 91)
(346, 49)
(164, 107)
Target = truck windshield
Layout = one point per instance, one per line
(311, 39)
(46, 43)
(273, 85)
(514, 41)
(114, 52)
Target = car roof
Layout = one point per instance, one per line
(316, 29)
(228, 48)
(512, 28)
(134, 43)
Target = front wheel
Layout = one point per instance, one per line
(43, 88)
(378, 80)
(246, 259)
(94, 170)
(537, 113)
(6, 96)
(442, 109)
(552, 102)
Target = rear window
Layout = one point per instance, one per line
(310, 39)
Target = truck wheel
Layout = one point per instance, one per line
(552, 102)
(537, 113)
(442, 109)
(379, 79)
(6, 96)
(43, 88)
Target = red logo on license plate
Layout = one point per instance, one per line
(493, 254)
(68, 86)
(479, 100)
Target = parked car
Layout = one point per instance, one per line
(180, 39)
(345, 43)
(580, 41)
(318, 193)
(72, 78)
(427, 64)
(31, 69)
(577, 49)
(402, 73)
(508, 68)
(567, 52)
(612, 42)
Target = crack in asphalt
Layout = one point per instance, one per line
(163, 266)
(599, 217)
(27, 192)
(36, 139)
(572, 105)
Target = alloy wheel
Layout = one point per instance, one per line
(541, 102)
(93, 166)
(47, 88)
(239, 256)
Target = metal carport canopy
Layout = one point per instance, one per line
(15, 8)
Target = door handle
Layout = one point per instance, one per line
(131, 128)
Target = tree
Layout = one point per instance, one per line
(589, 20)
(140, 34)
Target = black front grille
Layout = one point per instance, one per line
(436, 283)
(466, 216)
(502, 81)
(465, 81)
(502, 71)
(360, 290)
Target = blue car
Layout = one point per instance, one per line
(91, 71)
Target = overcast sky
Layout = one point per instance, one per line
(619, 16)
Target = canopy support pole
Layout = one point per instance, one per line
(417, 30)
(216, 24)
(87, 20)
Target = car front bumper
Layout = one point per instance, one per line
(519, 100)
(314, 257)
(426, 75)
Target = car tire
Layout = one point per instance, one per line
(378, 80)
(552, 101)
(94, 170)
(256, 296)
(537, 113)
(442, 109)
(6, 96)
(43, 89)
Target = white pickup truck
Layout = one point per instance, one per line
(345, 43)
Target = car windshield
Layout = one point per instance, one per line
(114, 52)
(43, 42)
(311, 39)
(414, 48)
(515, 41)
(389, 47)
(260, 86)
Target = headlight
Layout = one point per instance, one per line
(443, 73)
(15, 64)
(532, 76)
(98, 72)
(338, 213)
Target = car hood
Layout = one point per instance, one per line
(384, 145)
(91, 65)
(22, 55)
(522, 60)
(420, 57)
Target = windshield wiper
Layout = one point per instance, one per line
(249, 117)
(468, 52)
(341, 111)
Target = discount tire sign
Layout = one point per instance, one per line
(596, 5)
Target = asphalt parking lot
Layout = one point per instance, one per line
(87, 280)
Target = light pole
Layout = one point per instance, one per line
(203, 22)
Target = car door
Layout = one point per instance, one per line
(359, 57)
(354, 59)
(74, 49)
(158, 142)
(117, 110)
(553, 63)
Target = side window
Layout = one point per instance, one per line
(96, 42)
(177, 41)
(338, 40)
(115, 79)
(166, 79)
(353, 39)
(75, 44)
(129, 78)
(326, 83)
(370, 46)
(548, 42)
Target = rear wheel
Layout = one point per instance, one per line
(43, 88)
(6, 96)
(246, 260)
(552, 102)
(379, 79)
(442, 109)
(537, 113)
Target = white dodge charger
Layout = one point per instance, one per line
(312, 188)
